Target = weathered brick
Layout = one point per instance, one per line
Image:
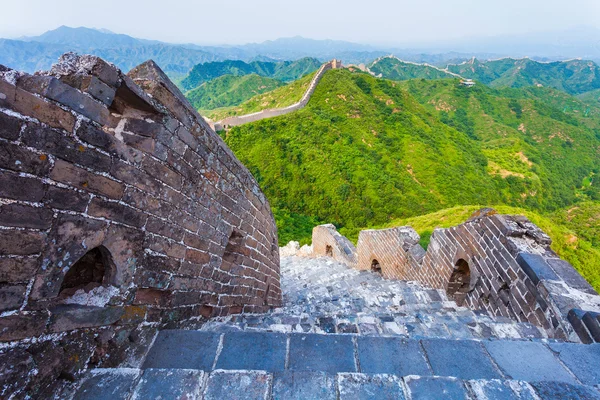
(116, 212)
(11, 296)
(16, 187)
(82, 179)
(15, 270)
(28, 104)
(25, 216)
(65, 199)
(10, 127)
(16, 327)
(17, 158)
(21, 242)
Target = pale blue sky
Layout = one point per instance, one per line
(242, 21)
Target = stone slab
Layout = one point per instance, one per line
(366, 387)
(237, 385)
(327, 353)
(254, 351)
(301, 385)
(388, 355)
(159, 384)
(582, 360)
(465, 359)
(434, 388)
(501, 390)
(527, 361)
(561, 390)
(536, 267)
(108, 384)
(183, 349)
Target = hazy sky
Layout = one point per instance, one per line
(242, 21)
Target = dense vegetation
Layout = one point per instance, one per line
(283, 70)
(574, 77)
(367, 152)
(230, 90)
(281, 97)
(393, 68)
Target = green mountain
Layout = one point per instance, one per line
(280, 97)
(574, 77)
(368, 151)
(397, 70)
(284, 70)
(230, 90)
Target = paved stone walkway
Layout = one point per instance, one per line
(322, 345)
(324, 296)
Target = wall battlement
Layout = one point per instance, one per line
(121, 212)
(502, 264)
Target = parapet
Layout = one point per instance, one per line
(121, 212)
(502, 264)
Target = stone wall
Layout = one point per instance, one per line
(121, 212)
(257, 116)
(498, 263)
(327, 241)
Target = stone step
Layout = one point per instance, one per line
(115, 384)
(466, 359)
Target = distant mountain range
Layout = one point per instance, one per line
(39, 52)
(575, 77)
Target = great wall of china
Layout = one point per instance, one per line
(260, 115)
(139, 259)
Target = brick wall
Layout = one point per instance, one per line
(328, 242)
(121, 212)
(498, 263)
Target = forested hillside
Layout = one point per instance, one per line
(367, 151)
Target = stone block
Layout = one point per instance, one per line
(10, 127)
(64, 94)
(465, 359)
(17, 269)
(53, 142)
(328, 353)
(116, 211)
(502, 390)
(253, 351)
(19, 159)
(366, 387)
(567, 273)
(561, 390)
(25, 216)
(91, 85)
(74, 316)
(65, 199)
(582, 360)
(389, 355)
(301, 385)
(16, 187)
(28, 104)
(11, 296)
(536, 267)
(237, 385)
(160, 384)
(419, 387)
(68, 173)
(183, 349)
(21, 242)
(108, 384)
(21, 326)
(527, 361)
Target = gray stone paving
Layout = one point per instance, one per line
(269, 357)
(324, 296)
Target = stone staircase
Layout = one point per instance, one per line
(345, 334)
(325, 296)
